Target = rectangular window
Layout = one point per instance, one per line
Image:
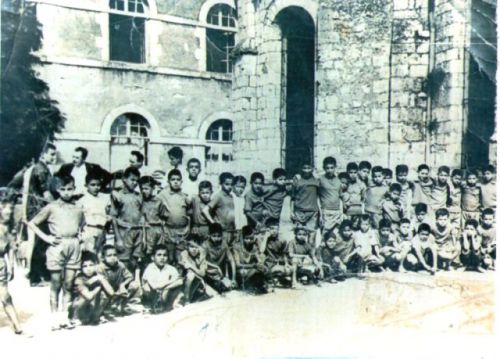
(127, 38)
(219, 46)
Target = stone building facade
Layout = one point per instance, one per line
(389, 82)
(133, 75)
(293, 80)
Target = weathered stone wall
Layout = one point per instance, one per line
(375, 98)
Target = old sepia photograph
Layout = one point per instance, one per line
(248, 179)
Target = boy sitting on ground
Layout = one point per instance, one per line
(161, 283)
(471, 254)
(276, 253)
(392, 248)
(305, 264)
(92, 292)
(445, 237)
(120, 279)
(487, 231)
(221, 270)
(194, 264)
(367, 245)
(424, 251)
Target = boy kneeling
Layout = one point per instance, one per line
(161, 283)
(303, 256)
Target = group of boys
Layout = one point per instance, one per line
(167, 248)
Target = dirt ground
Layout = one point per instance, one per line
(387, 315)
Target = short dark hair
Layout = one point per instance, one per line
(92, 176)
(343, 175)
(278, 172)
(63, 180)
(83, 151)
(423, 166)
(402, 169)
(487, 212)
(255, 176)
(405, 220)
(352, 166)
(471, 222)
(247, 231)
(384, 223)
(147, 180)
(345, 223)
(159, 247)
(193, 160)
(329, 161)
(238, 179)
(490, 168)
(174, 172)
(175, 152)
(365, 217)
(387, 172)
(420, 207)
(48, 146)
(395, 187)
(224, 176)
(271, 221)
(457, 172)
(106, 248)
(378, 169)
(471, 173)
(444, 169)
(214, 228)
(365, 164)
(424, 227)
(139, 156)
(88, 256)
(131, 171)
(442, 212)
(205, 185)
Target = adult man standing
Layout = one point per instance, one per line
(79, 169)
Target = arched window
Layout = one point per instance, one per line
(220, 38)
(126, 30)
(219, 151)
(129, 132)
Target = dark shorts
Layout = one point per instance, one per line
(154, 236)
(65, 255)
(129, 245)
(3, 272)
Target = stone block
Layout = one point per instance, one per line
(418, 70)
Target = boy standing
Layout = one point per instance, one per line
(65, 221)
(222, 206)
(254, 202)
(95, 206)
(275, 194)
(153, 213)
(199, 229)
(356, 194)
(407, 187)
(364, 169)
(304, 202)
(392, 208)
(423, 187)
(489, 188)
(374, 195)
(440, 193)
(456, 198)
(92, 292)
(471, 198)
(191, 183)
(177, 207)
(330, 192)
(161, 283)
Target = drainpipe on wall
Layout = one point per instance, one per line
(389, 112)
(432, 52)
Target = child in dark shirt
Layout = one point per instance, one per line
(455, 198)
(471, 198)
(305, 209)
(153, 213)
(250, 268)
(446, 239)
(423, 187)
(276, 193)
(356, 194)
(489, 188)
(199, 222)
(471, 255)
(276, 254)
(92, 292)
(487, 231)
(392, 208)
(305, 264)
(440, 193)
(419, 217)
(120, 279)
(374, 195)
(221, 270)
(255, 209)
(330, 197)
(392, 248)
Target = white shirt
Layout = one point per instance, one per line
(159, 278)
(94, 208)
(240, 219)
(79, 174)
(191, 187)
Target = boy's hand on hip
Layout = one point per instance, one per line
(53, 241)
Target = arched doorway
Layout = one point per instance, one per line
(129, 132)
(297, 105)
